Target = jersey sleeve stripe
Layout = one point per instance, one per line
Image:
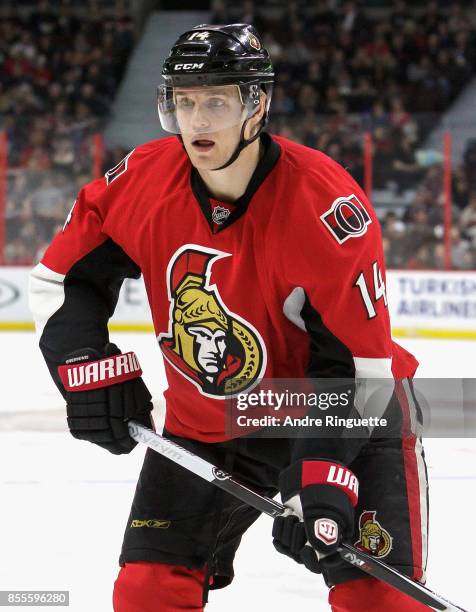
(46, 294)
(366, 367)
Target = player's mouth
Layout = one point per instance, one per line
(202, 144)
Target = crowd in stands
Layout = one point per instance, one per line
(414, 239)
(60, 65)
(341, 70)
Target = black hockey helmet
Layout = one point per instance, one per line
(218, 55)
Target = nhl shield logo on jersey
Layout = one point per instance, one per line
(215, 349)
(374, 539)
(346, 218)
(220, 214)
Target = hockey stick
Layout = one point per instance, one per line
(370, 565)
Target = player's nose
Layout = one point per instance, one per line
(200, 121)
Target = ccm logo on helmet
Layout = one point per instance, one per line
(188, 66)
(346, 218)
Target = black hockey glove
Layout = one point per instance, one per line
(102, 393)
(322, 495)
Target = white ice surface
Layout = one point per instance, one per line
(64, 503)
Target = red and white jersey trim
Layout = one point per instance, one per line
(373, 367)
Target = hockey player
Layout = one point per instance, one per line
(261, 257)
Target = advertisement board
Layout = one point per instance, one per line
(421, 303)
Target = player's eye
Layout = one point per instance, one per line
(185, 103)
(216, 103)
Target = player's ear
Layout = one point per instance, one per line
(256, 119)
(262, 105)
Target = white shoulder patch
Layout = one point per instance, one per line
(46, 294)
(293, 306)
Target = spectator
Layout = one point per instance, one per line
(59, 74)
(405, 168)
(467, 220)
(460, 187)
(470, 163)
(461, 257)
(394, 231)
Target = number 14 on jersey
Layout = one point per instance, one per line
(370, 296)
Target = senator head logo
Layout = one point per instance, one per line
(212, 347)
(374, 539)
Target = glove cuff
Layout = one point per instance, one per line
(80, 373)
(309, 472)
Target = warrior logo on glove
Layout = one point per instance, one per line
(215, 349)
(326, 530)
(374, 539)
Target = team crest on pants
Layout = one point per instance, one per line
(215, 349)
(374, 539)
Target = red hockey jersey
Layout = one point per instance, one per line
(286, 282)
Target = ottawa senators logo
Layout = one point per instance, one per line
(374, 539)
(254, 41)
(216, 350)
(346, 218)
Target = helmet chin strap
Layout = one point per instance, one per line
(241, 144)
